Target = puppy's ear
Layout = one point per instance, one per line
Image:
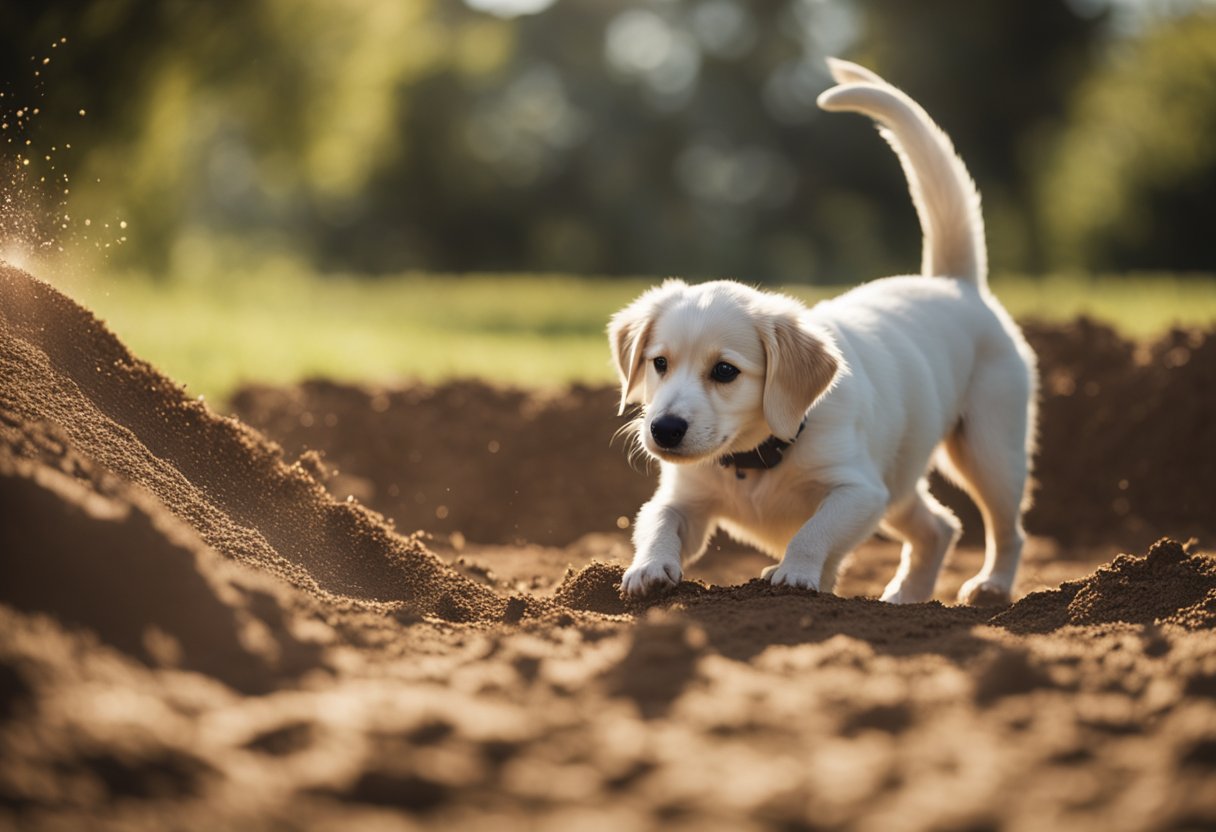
(629, 332)
(801, 366)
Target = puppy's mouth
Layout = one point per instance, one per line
(672, 455)
(686, 455)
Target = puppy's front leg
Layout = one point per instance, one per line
(664, 536)
(846, 517)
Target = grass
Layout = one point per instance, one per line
(216, 333)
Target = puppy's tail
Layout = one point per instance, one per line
(945, 196)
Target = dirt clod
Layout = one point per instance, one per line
(596, 587)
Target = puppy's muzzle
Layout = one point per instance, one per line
(668, 431)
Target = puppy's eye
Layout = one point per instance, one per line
(660, 365)
(724, 373)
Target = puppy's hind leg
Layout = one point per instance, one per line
(929, 531)
(990, 453)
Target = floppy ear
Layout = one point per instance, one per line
(628, 332)
(801, 366)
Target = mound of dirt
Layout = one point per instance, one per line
(1126, 428)
(196, 634)
(1168, 585)
(595, 587)
(122, 567)
(497, 465)
(147, 461)
(1119, 421)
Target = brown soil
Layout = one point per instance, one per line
(1124, 429)
(198, 632)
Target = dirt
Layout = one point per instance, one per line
(202, 629)
(1124, 428)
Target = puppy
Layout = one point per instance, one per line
(802, 431)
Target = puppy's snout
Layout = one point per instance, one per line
(668, 431)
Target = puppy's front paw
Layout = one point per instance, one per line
(983, 591)
(785, 575)
(649, 577)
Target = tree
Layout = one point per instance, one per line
(1133, 181)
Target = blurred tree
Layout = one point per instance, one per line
(997, 76)
(1132, 183)
(683, 137)
(229, 117)
(607, 140)
(605, 136)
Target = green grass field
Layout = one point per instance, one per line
(213, 334)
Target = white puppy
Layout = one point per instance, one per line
(801, 431)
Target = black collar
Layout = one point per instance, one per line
(768, 454)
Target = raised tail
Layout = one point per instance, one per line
(945, 196)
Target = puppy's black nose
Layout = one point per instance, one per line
(668, 430)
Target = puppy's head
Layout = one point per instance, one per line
(717, 367)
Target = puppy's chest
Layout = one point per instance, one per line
(772, 502)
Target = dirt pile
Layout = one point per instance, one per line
(124, 454)
(1168, 585)
(146, 585)
(1120, 423)
(1127, 447)
(197, 634)
(594, 588)
(497, 465)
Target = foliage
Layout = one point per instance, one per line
(634, 137)
(1132, 184)
(226, 117)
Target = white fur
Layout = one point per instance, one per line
(891, 377)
